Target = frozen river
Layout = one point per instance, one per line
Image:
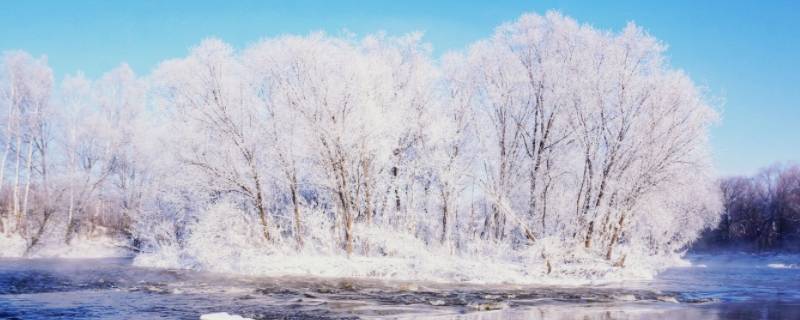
(731, 286)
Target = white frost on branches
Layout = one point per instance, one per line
(550, 147)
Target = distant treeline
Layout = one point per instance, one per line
(762, 212)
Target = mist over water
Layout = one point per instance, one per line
(730, 286)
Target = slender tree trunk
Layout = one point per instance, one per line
(45, 190)
(368, 193)
(445, 214)
(532, 195)
(395, 172)
(259, 197)
(348, 232)
(15, 201)
(587, 242)
(346, 220)
(601, 193)
(29, 168)
(71, 208)
(615, 236)
(346, 215)
(93, 220)
(3, 165)
(70, 213)
(544, 208)
(298, 232)
(262, 212)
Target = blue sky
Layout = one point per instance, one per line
(745, 52)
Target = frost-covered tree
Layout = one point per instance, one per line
(217, 127)
(607, 133)
(103, 120)
(26, 96)
(550, 142)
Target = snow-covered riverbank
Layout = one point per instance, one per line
(14, 246)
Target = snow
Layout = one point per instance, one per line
(14, 246)
(222, 316)
(221, 241)
(396, 256)
(166, 257)
(782, 266)
(83, 248)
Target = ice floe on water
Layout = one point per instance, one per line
(222, 316)
(782, 266)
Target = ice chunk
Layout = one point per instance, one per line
(782, 266)
(222, 316)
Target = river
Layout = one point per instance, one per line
(723, 286)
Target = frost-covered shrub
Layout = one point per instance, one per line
(221, 234)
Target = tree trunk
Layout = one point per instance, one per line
(298, 232)
(348, 232)
(71, 209)
(347, 219)
(29, 167)
(445, 213)
(344, 201)
(262, 213)
(587, 243)
(368, 203)
(15, 200)
(68, 236)
(259, 197)
(615, 236)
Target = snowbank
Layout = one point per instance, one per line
(434, 264)
(221, 240)
(14, 246)
(83, 248)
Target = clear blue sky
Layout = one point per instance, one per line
(747, 52)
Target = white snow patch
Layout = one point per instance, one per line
(222, 241)
(782, 266)
(84, 248)
(167, 257)
(12, 245)
(222, 316)
(431, 264)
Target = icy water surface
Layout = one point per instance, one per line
(734, 286)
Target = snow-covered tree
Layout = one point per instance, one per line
(549, 140)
